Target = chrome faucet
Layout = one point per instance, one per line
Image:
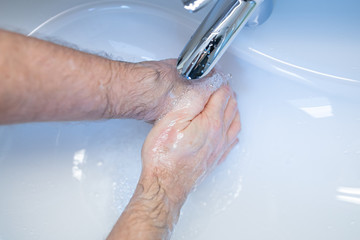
(215, 33)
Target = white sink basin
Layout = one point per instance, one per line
(294, 175)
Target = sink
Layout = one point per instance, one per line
(294, 175)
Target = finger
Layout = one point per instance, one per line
(236, 96)
(217, 103)
(234, 128)
(230, 112)
(228, 150)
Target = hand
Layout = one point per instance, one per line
(189, 142)
(180, 150)
(152, 88)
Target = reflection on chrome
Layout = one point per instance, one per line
(79, 159)
(353, 192)
(214, 36)
(195, 5)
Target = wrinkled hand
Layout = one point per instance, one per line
(151, 89)
(198, 130)
(165, 83)
(185, 145)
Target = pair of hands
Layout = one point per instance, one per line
(41, 81)
(198, 127)
(196, 123)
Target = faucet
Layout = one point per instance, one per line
(216, 32)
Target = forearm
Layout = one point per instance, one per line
(150, 214)
(42, 81)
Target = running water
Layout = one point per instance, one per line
(194, 92)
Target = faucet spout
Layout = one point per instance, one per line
(214, 36)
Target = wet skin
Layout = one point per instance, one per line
(195, 123)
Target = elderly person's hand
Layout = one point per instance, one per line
(185, 145)
(181, 149)
(151, 89)
(41, 81)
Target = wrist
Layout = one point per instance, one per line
(149, 214)
(112, 84)
(161, 179)
(136, 90)
(158, 200)
(149, 211)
